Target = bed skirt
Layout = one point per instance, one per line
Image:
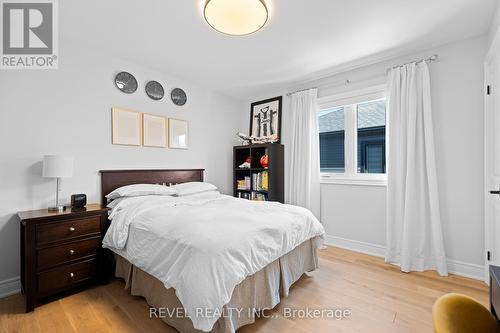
(260, 291)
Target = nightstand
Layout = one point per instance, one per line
(61, 251)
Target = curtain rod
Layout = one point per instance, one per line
(433, 57)
(291, 93)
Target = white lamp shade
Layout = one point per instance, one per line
(236, 17)
(55, 166)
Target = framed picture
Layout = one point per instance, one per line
(154, 131)
(265, 118)
(178, 137)
(127, 127)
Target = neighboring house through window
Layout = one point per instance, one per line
(331, 140)
(352, 130)
(371, 137)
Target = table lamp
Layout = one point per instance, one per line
(55, 166)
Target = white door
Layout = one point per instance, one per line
(492, 162)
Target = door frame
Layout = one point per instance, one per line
(487, 158)
(492, 54)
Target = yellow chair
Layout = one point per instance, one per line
(455, 313)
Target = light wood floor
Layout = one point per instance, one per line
(381, 299)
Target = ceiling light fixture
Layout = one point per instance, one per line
(236, 17)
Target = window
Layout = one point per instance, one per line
(371, 137)
(352, 130)
(331, 140)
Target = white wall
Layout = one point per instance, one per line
(495, 25)
(68, 111)
(357, 213)
(354, 212)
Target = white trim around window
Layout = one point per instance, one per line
(347, 100)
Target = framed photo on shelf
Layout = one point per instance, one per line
(265, 118)
(178, 134)
(154, 129)
(126, 127)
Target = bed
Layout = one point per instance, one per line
(207, 262)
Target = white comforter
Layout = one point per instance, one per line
(204, 245)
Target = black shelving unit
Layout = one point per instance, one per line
(275, 170)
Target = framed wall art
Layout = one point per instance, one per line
(126, 127)
(178, 136)
(265, 119)
(154, 131)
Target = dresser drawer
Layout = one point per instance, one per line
(66, 276)
(57, 231)
(53, 256)
(61, 251)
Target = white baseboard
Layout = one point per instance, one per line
(10, 287)
(466, 269)
(461, 268)
(354, 245)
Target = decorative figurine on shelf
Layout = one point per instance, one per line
(246, 164)
(266, 139)
(246, 139)
(264, 161)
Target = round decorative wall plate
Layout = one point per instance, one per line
(154, 90)
(178, 96)
(126, 82)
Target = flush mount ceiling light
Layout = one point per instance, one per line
(236, 17)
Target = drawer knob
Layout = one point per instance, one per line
(71, 252)
(71, 275)
(71, 229)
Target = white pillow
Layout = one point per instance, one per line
(202, 195)
(113, 203)
(117, 204)
(138, 190)
(193, 187)
(121, 203)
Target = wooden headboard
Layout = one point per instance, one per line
(113, 179)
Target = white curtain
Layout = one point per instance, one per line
(414, 233)
(303, 188)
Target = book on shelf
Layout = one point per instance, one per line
(244, 195)
(255, 196)
(260, 181)
(258, 196)
(243, 184)
(265, 181)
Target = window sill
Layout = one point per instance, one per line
(376, 180)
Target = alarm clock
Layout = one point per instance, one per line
(78, 200)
